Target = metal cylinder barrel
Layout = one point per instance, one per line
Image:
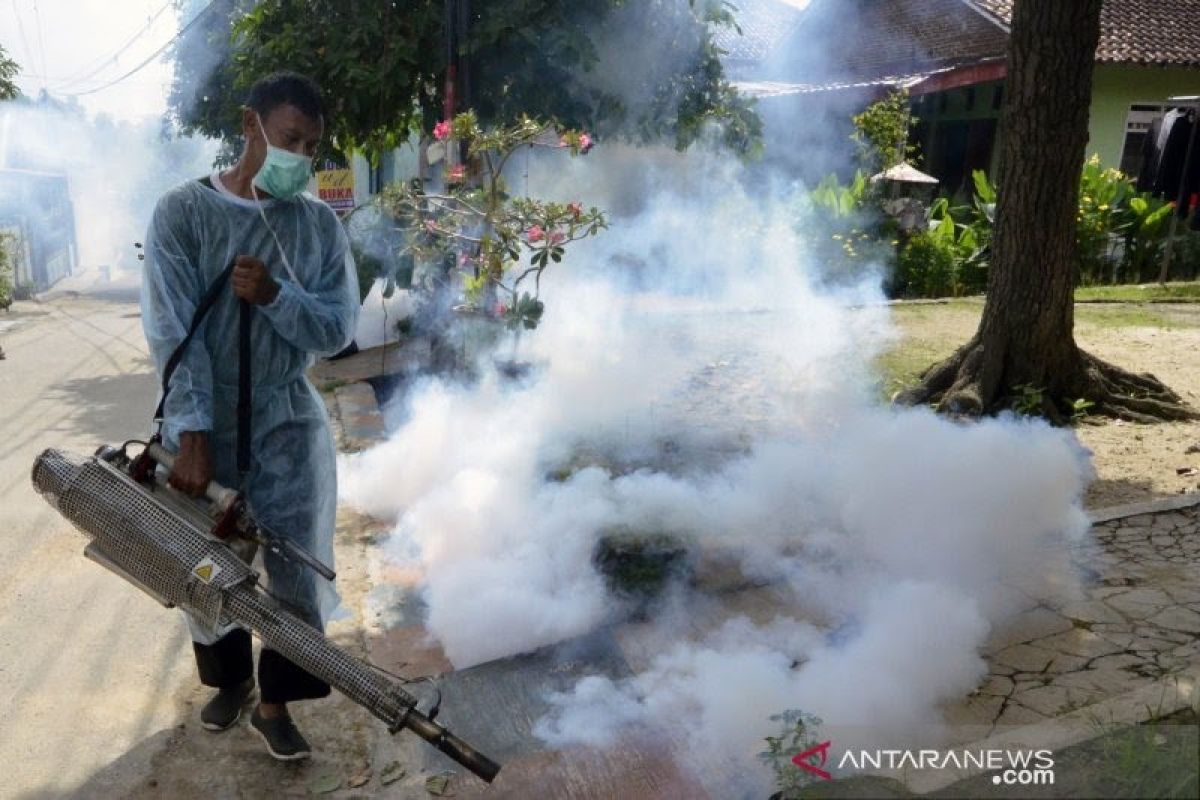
(151, 545)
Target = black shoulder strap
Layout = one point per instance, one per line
(206, 303)
(244, 405)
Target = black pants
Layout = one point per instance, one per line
(230, 660)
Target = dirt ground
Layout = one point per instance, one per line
(1133, 463)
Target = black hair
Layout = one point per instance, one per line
(280, 88)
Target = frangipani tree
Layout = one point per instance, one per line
(501, 244)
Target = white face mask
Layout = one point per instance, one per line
(267, 185)
(284, 174)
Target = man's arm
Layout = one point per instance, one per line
(320, 318)
(171, 290)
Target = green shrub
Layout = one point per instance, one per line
(880, 130)
(925, 267)
(6, 273)
(1121, 231)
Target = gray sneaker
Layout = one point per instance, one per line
(283, 741)
(225, 709)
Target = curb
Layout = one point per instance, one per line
(1164, 505)
(360, 422)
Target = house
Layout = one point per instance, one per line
(950, 56)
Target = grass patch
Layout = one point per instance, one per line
(929, 332)
(1141, 293)
(900, 367)
(1132, 316)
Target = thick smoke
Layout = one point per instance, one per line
(116, 170)
(696, 377)
(693, 379)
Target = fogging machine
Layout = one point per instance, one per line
(195, 555)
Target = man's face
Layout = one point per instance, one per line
(286, 127)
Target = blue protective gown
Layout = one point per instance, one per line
(196, 231)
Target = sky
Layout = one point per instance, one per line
(75, 46)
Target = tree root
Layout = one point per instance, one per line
(1130, 396)
(968, 384)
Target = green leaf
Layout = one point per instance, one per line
(439, 785)
(326, 784)
(983, 187)
(392, 773)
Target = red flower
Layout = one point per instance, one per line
(441, 131)
(457, 173)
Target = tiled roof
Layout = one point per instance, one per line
(883, 37)
(764, 25)
(1164, 32)
(851, 40)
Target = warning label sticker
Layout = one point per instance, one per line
(206, 570)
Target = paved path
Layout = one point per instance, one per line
(1138, 622)
(1134, 630)
(97, 685)
(1136, 627)
(88, 666)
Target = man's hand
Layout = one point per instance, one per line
(253, 282)
(193, 469)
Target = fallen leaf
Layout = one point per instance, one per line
(361, 779)
(439, 785)
(392, 773)
(325, 784)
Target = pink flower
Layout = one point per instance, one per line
(535, 233)
(431, 226)
(441, 131)
(457, 173)
(556, 237)
(585, 142)
(576, 209)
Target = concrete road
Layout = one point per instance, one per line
(98, 692)
(89, 667)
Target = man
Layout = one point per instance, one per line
(292, 264)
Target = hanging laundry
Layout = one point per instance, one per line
(1165, 154)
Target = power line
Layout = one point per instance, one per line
(151, 57)
(24, 40)
(105, 60)
(37, 19)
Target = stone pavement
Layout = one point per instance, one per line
(1138, 622)
(1127, 649)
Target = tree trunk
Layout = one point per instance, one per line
(1025, 346)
